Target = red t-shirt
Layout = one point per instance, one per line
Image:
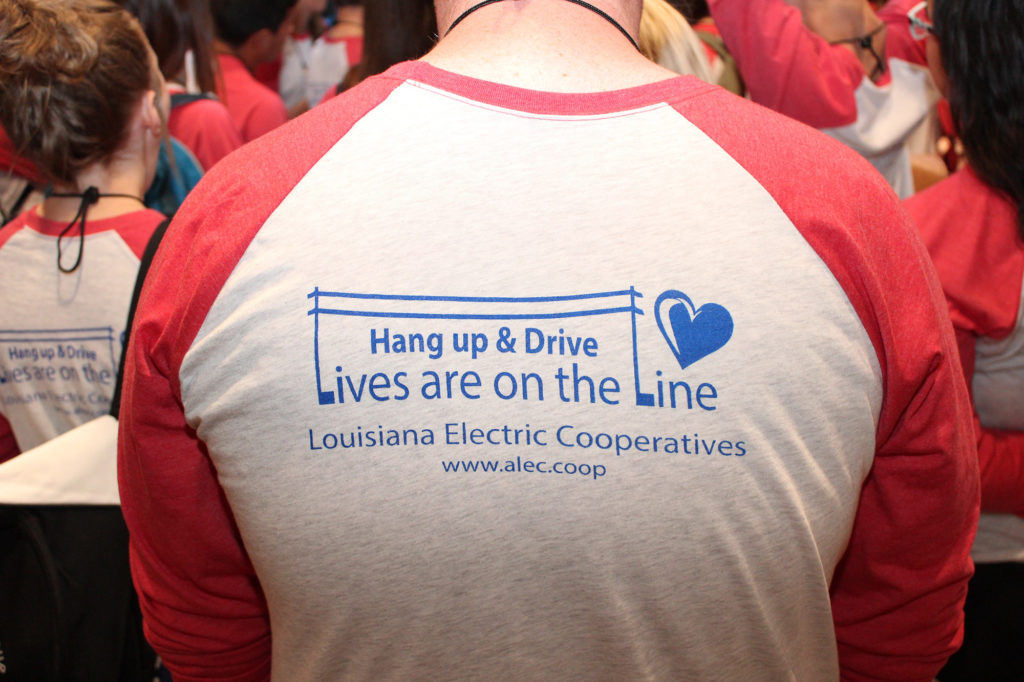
(255, 108)
(205, 127)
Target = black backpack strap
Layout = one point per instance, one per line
(179, 99)
(144, 263)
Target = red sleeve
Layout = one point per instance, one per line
(205, 127)
(202, 604)
(898, 593)
(8, 445)
(785, 66)
(137, 228)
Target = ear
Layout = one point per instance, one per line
(150, 115)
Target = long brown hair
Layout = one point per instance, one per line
(393, 31)
(981, 44)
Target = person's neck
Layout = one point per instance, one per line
(549, 45)
(348, 22)
(351, 15)
(221, 47)
(114, 177)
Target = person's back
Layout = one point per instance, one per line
(82, 100)
(518, 368)
(973, 227)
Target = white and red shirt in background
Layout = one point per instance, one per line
(971, 232)
(61, 333)
(790, 69)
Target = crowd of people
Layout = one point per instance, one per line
(531, 339)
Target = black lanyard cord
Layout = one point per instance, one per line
(89, 197)
(586, 5)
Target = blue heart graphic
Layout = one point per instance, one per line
(692, 333)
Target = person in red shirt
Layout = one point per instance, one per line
(248, 34)
(974, 230)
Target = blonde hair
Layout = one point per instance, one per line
(667, 39)
(71, 76)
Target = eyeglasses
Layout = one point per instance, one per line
(920, 22)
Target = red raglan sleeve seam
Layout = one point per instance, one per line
(136, 234)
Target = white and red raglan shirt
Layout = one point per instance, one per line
(455, 387)
(60, 333)
(970, 230)
(792, 70)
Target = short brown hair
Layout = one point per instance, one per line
(71, 75)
